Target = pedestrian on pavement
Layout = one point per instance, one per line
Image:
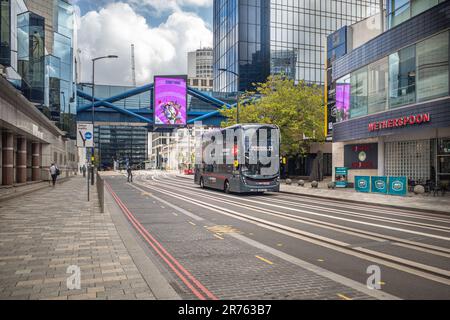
(130, 173)
(84, 170)
(54, 172)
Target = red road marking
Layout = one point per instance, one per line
(152, 241)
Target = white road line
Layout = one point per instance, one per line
(312, 238)
(200, 194)
(342, 229)
(351, 220)
(317, 270)
(193, 216)
(320, 206)
(394, 211)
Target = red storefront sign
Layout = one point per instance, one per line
(400, 122)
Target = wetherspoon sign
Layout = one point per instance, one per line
(400, 122)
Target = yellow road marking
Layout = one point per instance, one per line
(222, 229)
(320, 260)
(343, 297)
(280, 245)
(382, 283)
(192, 223)
(265, 260)
(218, 237)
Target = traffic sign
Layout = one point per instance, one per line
(85, 135)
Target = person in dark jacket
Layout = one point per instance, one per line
(130, 174)
(54, 172)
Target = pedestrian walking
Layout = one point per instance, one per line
(54, 172)
(130, 174)
(84, 170)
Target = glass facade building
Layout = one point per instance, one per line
(399, 11)
(417, 73)
(256, 38)
(31, 55)
(119, 143)
(37, 50)
(397, 95)
(5, 34)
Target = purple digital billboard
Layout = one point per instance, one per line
(342, 102)
(170, 100)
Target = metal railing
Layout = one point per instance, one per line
(101, 192)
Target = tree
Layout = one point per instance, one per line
(296, 109)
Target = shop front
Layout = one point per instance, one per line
(411, 142)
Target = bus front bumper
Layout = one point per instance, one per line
(258, 189)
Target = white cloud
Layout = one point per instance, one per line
(160, 6)
(158, 50)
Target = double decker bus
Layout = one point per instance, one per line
(254, 155)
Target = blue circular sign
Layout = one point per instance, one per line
(88, 136)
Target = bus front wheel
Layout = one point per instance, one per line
(227, 187)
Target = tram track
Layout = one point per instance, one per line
(241, 202)
(405, 265)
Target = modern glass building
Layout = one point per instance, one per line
(392, 97)
(37, 45)
(121, 143)
(256, 38)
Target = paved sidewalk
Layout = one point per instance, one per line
(45, 232)
(411, 201)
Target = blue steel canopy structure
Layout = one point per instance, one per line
(108, 110)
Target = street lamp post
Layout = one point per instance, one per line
(237, 93)
(93, 109)
(61, 114)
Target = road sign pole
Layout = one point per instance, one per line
(87, 175)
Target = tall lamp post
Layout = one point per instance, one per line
(93, 102)
(61, 114)
(237, 94)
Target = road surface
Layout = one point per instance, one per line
(211, 245)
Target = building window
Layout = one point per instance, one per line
(419, 6)
(343, 98)
(432, 67)
(358, 93)
(401, 10)
(402, 77)
(378, 86)
(5, 32)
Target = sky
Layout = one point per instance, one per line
(163, 31)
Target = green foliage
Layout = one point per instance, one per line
(296, 109)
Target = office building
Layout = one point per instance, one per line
(37, 56)
(257, 38)
(200, 69)
(339, 43)
(392, 97)
(37, 103)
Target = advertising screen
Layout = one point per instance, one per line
(342, 102)
(170, 100)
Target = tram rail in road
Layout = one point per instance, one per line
(409, 246)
